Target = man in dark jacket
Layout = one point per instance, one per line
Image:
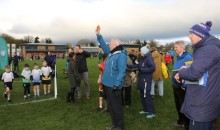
(202, 100)
(73, 76)
(16, 60)
(81, 56)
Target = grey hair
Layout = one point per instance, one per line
(116, 41)
(181, 44)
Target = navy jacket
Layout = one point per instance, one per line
(146, 67)
(202, 101)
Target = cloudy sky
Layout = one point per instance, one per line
(70, 20)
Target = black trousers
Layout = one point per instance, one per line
(179, 95)
(115, 107)
(26, 88)
(126, 98)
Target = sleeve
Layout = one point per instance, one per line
(3, 77)
(22, 74)
(201, 64)
(101, 67)
(122, 69)
(103, 44)
(70, 68)
(86, 54)
(12, 76)
(50, 70)
(148, 69)
(42, 72)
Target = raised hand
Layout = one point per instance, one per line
(97, 30)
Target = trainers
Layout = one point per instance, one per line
(110, 127)
(99, 109)
(87, 97)
(143, 112)
(150, 116)
(176, 125)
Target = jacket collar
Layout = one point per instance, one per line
(199, 44)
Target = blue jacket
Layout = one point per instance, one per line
(146, 67)
(115, 67)
(180, 60)
(202, 102)
(172, 52)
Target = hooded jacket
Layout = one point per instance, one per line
(146, 67)
(115, 67)
(202, 102)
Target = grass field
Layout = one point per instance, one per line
(83, 115)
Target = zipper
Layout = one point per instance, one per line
(112, 67)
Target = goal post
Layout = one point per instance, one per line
(55, 83)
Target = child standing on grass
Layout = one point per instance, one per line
(102, 94)
(46, 78)
(7, 78)
(26, 76)
(36, 77)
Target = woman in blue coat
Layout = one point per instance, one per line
(146, 67)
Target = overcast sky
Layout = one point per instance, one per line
(71, 20)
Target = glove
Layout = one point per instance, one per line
(77, 79)
(116, 90)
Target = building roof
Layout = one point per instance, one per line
(49, 44)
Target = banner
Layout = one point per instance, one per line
(3, 53)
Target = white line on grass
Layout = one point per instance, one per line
(22, 103)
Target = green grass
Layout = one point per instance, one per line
(82, 115)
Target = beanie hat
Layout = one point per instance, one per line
(201, 30)
(144, 50)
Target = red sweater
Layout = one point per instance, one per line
(168, 58)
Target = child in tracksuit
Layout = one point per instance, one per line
(146, 67)
(36, 77)
(7, 78)
(26, 78)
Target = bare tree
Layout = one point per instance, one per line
(48, 40)
(28, 39)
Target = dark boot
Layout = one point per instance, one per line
(72, 92)
(68, 96)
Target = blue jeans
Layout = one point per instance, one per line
(160, 87)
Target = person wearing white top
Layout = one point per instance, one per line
(7, 78)
(46, 77)
(36, 77)
(26, 76)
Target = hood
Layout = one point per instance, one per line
(211, 40)
(118, 49)
(156, 54)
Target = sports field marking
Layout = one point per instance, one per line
(22, 103)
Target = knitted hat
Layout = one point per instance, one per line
(202, 30)
(144, 50)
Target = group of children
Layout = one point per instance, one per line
(35, 76)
